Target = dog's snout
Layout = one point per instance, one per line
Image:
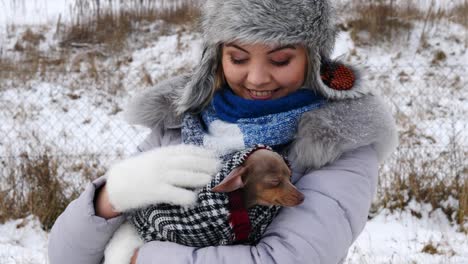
(292, 199)
(301, 198)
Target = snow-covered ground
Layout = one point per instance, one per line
(401, 238)
(388, 238)
(23, 242)
(76, 114)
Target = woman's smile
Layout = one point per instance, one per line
(261, 95)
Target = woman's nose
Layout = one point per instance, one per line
(258, 76)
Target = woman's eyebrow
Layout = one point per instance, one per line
(235, 46)
(269, 52)
(281, 48)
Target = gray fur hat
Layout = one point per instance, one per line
(273, 22)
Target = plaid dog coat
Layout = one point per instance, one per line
(210, 222)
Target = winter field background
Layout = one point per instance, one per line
(67, 72)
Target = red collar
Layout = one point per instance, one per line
(239, 216)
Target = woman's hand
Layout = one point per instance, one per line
(102, 205)
(162, 175)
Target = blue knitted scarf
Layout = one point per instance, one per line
(231, 123)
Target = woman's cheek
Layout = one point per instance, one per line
(234, 74)
(293, 77)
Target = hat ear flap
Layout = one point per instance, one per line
(199, 90)
(334, 79)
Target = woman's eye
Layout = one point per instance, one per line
(280, 63)
(237, 61)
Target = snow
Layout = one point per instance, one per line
(157, 59)
(400, 238)
(56, 107)
(27, 12)
(23, 241)
(431, 96)
(387, 238)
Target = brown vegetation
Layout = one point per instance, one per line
(459, 13)
(27, 61)
(416, 174)
(380, 21)
(112, 28)
(439, 56)
(90, 38)
(430, 249)
(35, 185)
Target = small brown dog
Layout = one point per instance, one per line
(265, 179)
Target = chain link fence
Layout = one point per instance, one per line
(69, 123)
(75, 114)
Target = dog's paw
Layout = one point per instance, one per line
(122, 245)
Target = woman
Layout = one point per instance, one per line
(261, 58)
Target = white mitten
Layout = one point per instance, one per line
(161, 176)
(122, 245)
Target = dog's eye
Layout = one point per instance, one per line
(275, 183)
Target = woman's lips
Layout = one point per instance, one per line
(261, 95)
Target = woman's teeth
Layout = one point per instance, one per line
(261, 94)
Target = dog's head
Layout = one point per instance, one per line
(266, 180)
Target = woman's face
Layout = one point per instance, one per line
(261, 72)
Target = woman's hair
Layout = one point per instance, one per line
(220, 81)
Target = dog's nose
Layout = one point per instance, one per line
(301, 199)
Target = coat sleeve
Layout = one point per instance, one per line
(320, 230)
(78, 235)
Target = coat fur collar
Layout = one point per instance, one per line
(323, 134)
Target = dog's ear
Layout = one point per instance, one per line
(232, 182)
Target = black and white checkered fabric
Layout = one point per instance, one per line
(205, 224)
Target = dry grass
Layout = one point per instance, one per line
(112, 28)
(459, 14)
(379, 21)
(31, 37)
(31, 65)
(439, 57)
(106, 30)
(90, 38)
(27, 61)
(74, 68)
(420, 175)
(34, 185)
(430, 249)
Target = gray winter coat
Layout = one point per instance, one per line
(345, 140)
